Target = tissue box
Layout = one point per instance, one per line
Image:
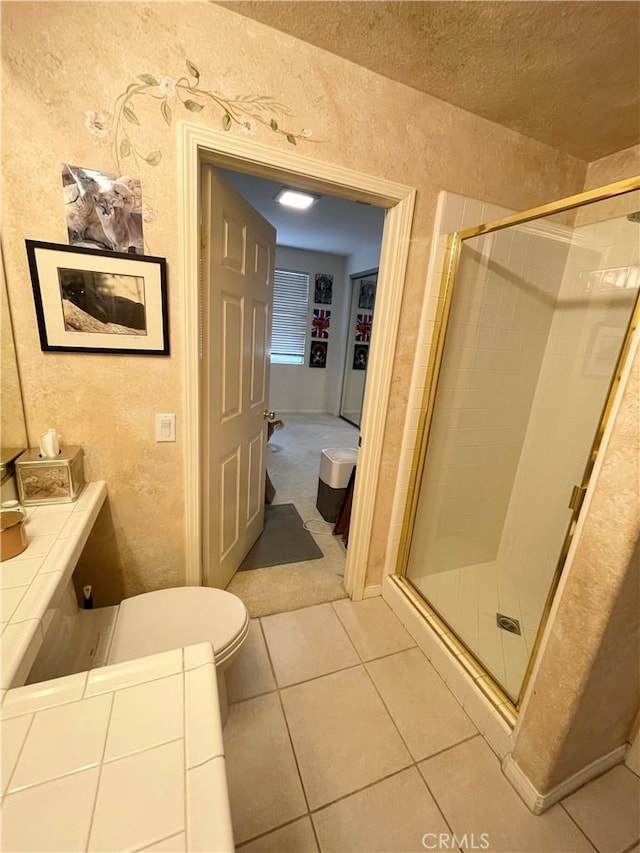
(50, 481)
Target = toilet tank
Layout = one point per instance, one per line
(75, 640)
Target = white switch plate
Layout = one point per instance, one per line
(165, 427)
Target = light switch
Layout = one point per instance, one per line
(165, 427)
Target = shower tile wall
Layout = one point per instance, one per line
(453, 213)
(506, 288)
(596, 296)
(470, 594)
(501, 314)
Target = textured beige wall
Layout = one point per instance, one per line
(616, 167)
(593, 648)
(62, 60)
(12, 427)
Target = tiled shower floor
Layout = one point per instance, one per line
(342, 737)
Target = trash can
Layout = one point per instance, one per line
(336, 465)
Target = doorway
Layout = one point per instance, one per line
(296, 560)
(198, 145)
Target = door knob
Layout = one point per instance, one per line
(268, 416)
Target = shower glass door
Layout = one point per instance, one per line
(539, 314)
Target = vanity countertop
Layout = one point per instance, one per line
(31, 582)
(124, 757)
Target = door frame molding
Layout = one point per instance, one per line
(198, 144)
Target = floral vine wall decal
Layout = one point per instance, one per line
(245, 112)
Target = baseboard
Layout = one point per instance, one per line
(539, 803)
(372, 590)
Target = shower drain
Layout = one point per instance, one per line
(508, 623)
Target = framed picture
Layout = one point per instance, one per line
(360, 357)
(320, 323)
(318, 354)
(363, 328)
(367, 295)
(323, 291)
(89, 300)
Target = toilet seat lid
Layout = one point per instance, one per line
(171, 618)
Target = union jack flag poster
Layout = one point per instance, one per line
(320, 323)
(363, 328)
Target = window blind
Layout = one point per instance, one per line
(289, 317)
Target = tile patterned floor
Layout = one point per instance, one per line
(342, 737)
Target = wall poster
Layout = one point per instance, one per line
(363, 328)
(103, 211)
(318, 354)
(320, 323)
(360, 357)
(323, 293)
(367, 296)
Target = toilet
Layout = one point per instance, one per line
(182, 616)
(146, 624)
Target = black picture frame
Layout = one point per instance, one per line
(83, 300)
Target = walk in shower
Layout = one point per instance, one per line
(537, 312)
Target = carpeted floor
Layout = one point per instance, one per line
(293, 461)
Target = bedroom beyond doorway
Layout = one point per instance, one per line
(293, 461)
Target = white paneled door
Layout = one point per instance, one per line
(238, 250)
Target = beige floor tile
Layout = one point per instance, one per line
(297, 837)
(475, 797)
(250, 674)
(608, 809)
(264, 786)
(342, 734)
(392, 815)
(307, 643)
(427, 713)
(374, 628)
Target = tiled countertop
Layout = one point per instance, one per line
(124, 757)
(30, 582)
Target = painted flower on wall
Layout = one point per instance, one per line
(167, 86)
(148, 214)
(98, 124)
(244, 112)
(249, 126)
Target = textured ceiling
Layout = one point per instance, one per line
(565, 73)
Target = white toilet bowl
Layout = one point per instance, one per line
(171, 618)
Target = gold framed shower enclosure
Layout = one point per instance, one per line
(456, 242)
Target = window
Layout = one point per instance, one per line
(289, 319)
